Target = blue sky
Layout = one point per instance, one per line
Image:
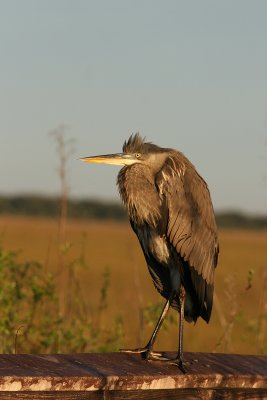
(186, 74)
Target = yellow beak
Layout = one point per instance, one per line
(113, 159)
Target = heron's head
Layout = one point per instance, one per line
(135, 151)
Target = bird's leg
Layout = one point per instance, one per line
(179, 358)
(147, 351)
(156, 355)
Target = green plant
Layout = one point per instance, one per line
(29, 321)
(26, 297)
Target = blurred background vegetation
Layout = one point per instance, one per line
(36, 205)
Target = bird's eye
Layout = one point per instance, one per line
(137, 155)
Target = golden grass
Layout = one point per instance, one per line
(114, 245)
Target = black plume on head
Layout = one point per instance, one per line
(137, 144)
(134, 143)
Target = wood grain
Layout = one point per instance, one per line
(128, 376)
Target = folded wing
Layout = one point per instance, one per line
(191, 227)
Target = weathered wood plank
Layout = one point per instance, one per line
(128, 376)
(170, 394)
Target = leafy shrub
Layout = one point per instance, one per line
(29, 318)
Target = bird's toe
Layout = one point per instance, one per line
(139, 350)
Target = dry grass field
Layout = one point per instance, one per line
(239, 315)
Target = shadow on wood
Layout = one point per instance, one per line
(127, 376)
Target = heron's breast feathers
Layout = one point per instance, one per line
(139, 195)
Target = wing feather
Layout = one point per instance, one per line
(191, 226)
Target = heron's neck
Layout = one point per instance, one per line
(138, 192)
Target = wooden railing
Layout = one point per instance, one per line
(127, 376)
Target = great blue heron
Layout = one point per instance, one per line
(170, 211)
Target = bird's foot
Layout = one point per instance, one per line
(177, 361)
(145, 352)
(180, 363)
(159, 356)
